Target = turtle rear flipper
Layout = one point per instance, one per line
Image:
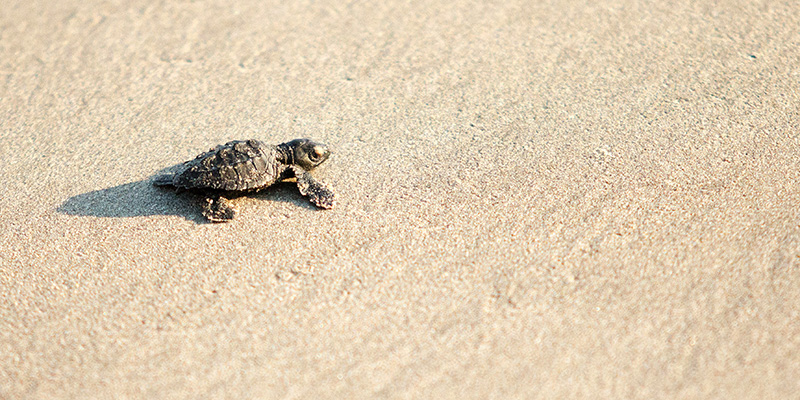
(217, 209)
(315, 190)
(164, 180)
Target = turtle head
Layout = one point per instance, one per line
(305, 153)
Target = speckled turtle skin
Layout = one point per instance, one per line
(243, 166)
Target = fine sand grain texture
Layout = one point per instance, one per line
(536, 199)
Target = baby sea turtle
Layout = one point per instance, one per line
(243, 166)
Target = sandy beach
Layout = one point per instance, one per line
(555, 199)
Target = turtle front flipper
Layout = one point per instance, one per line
(315, 190)
(217, 209)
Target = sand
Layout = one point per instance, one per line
(558, 199)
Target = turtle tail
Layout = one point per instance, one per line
(163, 180)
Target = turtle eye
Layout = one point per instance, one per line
(315, 153)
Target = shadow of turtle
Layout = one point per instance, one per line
(134, 199)
(141, 198)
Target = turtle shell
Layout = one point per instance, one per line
(234, 166)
